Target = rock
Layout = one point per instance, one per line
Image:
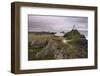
(38, 43)
(75, 46)
(52, 50)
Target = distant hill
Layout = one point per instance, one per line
(42, 32)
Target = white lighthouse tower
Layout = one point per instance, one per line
(74, 27)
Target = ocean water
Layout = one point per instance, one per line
(84, 32)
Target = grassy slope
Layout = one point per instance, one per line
(42, 39)
(70, 48)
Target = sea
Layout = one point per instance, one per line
(84, 32)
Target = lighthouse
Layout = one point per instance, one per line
(74, 27)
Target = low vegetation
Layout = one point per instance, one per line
(46, 46)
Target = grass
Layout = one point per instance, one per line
(42, 39)
(33, 36)
(70, 49)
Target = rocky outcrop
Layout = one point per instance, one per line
(75, 46)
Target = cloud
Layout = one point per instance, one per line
(56, 23)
